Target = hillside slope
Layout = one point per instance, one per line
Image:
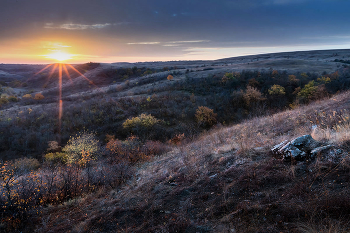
(229, 181)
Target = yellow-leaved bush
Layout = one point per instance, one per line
(82, 148)
(141, 125)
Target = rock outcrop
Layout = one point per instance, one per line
(300, 149)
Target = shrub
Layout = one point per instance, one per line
(292, 78)
(132, 150)
(147, 72)
(82, 145)
(229, 75)
(274, 72)
(12, 98)
(27, 96)
(129, 150)
(140, 125)
(308, 91)
(277, 90)
(324, 80)
(39, 96)
(205, 116)
(25, 165)
(3, 101)
(170, 77)
(252, 95)
(56, 158)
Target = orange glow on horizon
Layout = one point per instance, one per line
(59, 56)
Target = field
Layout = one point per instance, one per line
(181, 146)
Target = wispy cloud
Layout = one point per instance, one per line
(187, 41)
(144, 43)
(327, 37)
(169, 43)
(73, 26)
(53, 45)
(181, 42)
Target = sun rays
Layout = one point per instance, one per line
(61, 67)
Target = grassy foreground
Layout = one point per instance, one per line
(227, 181)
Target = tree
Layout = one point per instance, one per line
(252, 95)
(274, 73)
(277, 90)
(292, 78)
(205, 116)
(308, 91)
(228, 76)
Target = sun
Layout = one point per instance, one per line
(60, 56)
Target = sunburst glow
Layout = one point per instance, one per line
(60, 56)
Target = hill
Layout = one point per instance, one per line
(180, 146)
(106, 95)
(228, 181)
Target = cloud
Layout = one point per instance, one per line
(187, 41)
(53, 45)
(181, 42)
(327, 37)
(72, 26)
(144, 43)
(171, 45)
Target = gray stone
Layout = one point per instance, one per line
(298, 149)
(315, 152)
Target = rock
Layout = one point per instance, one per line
(298, 149)
(276, 148)
(315, 152)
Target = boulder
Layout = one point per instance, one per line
(299, 149)
(315, 152)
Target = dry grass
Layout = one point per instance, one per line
(227, 179)
(326, 226)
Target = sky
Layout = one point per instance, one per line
(167, 30)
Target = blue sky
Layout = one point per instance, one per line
(155, 30)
